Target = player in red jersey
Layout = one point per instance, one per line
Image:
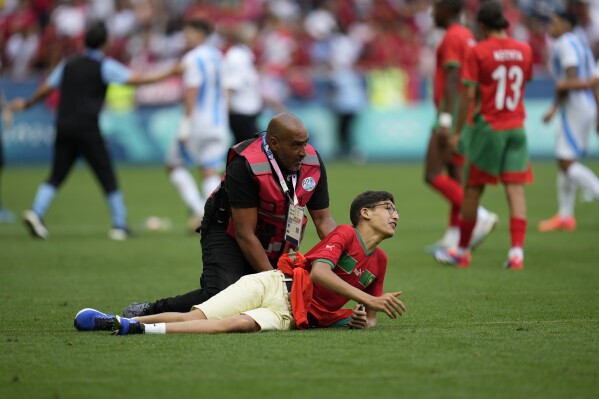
(495, 72)
(305, 291)
(440, 157)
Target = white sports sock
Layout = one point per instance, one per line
(566, 195)
(482, 212)
(188, 190)
(516, 251)
(584, 178)
(451, 239)
(155, 328)
(210, 184)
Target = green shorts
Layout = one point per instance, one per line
(496, 155)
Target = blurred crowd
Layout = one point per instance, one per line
(297, 43)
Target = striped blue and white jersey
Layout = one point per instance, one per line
(203, 69)
(570, 51)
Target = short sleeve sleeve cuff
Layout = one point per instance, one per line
(327, 261)
(115, 72)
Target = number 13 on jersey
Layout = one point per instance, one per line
(512, 77)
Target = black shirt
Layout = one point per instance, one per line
(243, 191)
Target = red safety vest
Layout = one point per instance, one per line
(273, 204)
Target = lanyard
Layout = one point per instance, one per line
(277, 169)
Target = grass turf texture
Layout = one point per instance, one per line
(481, 332)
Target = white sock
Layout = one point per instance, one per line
(482, 213)
(584, 178)
(451, 239)
(155, 328)
(210, 184)
(516, 251)
(188, 190)
(566, 195)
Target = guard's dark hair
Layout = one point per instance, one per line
(490, 15)
(96, 35)
(365, 200)
(568, 17)
(199, 24)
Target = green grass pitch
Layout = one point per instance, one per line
(483, 332)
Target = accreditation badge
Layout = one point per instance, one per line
(293, 232)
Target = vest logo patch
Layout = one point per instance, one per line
(308, 184)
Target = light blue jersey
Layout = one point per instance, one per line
(578, 111)
(570, 51)
(203, 69)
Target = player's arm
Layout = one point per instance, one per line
(388, 303)
(245, 221)
(575, 84)
(450, 93)
(466, 100)
(190, 94)
(20, 104)
(571, 79)
(136, 79)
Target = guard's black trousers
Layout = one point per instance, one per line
(70, 145)
(224, 264)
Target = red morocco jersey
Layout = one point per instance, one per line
(500, 67)
(451, 52)
(344, 250)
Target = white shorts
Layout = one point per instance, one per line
(262, 296)
(574, 129)
(207, 149)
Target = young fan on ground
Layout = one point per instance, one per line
(303, 292)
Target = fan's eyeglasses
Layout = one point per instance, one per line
(388, 206)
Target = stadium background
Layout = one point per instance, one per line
(393, 43)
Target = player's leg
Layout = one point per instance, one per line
(64, 156)
(437, 158)
(95, 152)
(517, 204)
(485, 221)
(583, 176)
(176, 157)
(576, 124)
(482, 167)
(223, 264)
(516, 172)
(210, 152)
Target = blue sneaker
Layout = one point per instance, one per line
(125, 326)
(93, 320)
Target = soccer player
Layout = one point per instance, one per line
(346, 265)
(495, 72)
(203, 136)
(440, 155)
(573, 62)
(82, 81)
